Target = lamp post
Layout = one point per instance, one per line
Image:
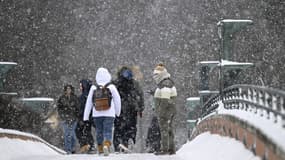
(4, 68)
(226, 31)
(192, 103)
(40, 105)
(205, 68)
(229, 70)
(5, 97)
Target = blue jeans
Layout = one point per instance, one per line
(69, 136)
(104, 126)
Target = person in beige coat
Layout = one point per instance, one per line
(164, 101)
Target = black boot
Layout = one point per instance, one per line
(161, 153)
(91, 149)
(171, 151)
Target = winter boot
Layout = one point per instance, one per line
(100, 149)
(84, 149)
(106, 148)
(91, 150)
(161, 153)
(171, 151)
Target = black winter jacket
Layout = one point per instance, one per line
(68, 108)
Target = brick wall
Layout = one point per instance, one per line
(252, 138)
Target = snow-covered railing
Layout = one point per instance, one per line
(14, 134)
(259, 100)
(254, 115)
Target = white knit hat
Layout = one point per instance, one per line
(159, 68)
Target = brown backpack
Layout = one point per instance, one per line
(102, 97)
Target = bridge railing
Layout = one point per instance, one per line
(260, 100)
(210, 106)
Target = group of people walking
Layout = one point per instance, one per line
(113, 108)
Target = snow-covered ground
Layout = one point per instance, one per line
(204, 147)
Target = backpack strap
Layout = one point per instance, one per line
(167, 82)
(97, 85)
(107, 84)
(104, 86)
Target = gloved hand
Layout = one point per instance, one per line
(80, 123)
(85, 122)
(140, 114)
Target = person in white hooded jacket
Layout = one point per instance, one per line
(103, 120)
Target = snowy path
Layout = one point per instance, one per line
(206, 146)
(134, 156)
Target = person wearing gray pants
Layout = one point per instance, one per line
(165, 100)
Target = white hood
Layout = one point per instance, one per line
(103, 76)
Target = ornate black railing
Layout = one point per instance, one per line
(259, 100)
(211, 105)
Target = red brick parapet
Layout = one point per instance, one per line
(251, 137)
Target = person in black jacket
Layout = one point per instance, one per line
(83, 130)
(68, 109)
(132, 100)
(153, 136)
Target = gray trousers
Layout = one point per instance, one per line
(167, 135)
